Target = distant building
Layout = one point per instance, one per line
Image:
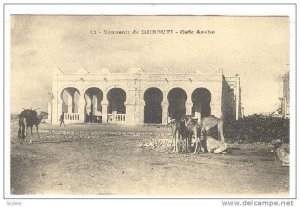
(138, 97)
(285, 102)
(235, 87)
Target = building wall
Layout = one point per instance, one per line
(228, 102)
(286, 96)
(135, 82)
(235, 84)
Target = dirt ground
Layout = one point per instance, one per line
(95, 159)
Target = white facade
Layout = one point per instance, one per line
(138, 97)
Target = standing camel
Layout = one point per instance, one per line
(29, 118)
(193, 130)
(179, 131)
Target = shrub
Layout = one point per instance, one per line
(256, 128)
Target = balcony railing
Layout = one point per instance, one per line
(71, 118)
(115, 118)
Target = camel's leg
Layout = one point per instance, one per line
(202, 137)
(174, 140)
(175, 143)
(201, 146)
(202, 131)
(30, 140)
(186, 143)
(220, 149)
(23, 134)
(196, 146)
(37, 130)
(220, 129)
(199, 139)
(20, 134)
(172, 136)
(25, 130)
(178, 146)
(197, 142)
(189, 140)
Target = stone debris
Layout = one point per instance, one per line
(159, 144)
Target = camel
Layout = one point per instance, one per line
(193, 130)
(29, 118)
(215, 146)
(209, 122)
(178, 132)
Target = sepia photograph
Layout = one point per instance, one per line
(164, 105)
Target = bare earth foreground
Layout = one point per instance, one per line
(97, 160)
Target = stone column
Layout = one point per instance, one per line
(188, 104)
(165, 113)
(88, 104)
(132, 97)
(104, 105)
(141, 112)
(81, 108)
(56, 108)
(70, 103)
(50, 111)
(188, 107)
(129, 114)
(59, 110)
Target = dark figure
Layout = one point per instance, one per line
(87, 119)
(29, 118)
(62, 119)
(179, 132)
(91, 117)
(22, 129)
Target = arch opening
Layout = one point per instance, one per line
(177, 98)
(116, 98)
(70, 98)
(93, 108)
(201, 98)
(153, 109)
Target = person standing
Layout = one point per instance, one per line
(62, 119)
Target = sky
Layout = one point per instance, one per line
(256, 48)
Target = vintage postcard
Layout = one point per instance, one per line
(165, 105)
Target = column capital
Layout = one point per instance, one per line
(188, 106)
(165, 105)
(81, 99)
(104, 102)
(188, 103)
